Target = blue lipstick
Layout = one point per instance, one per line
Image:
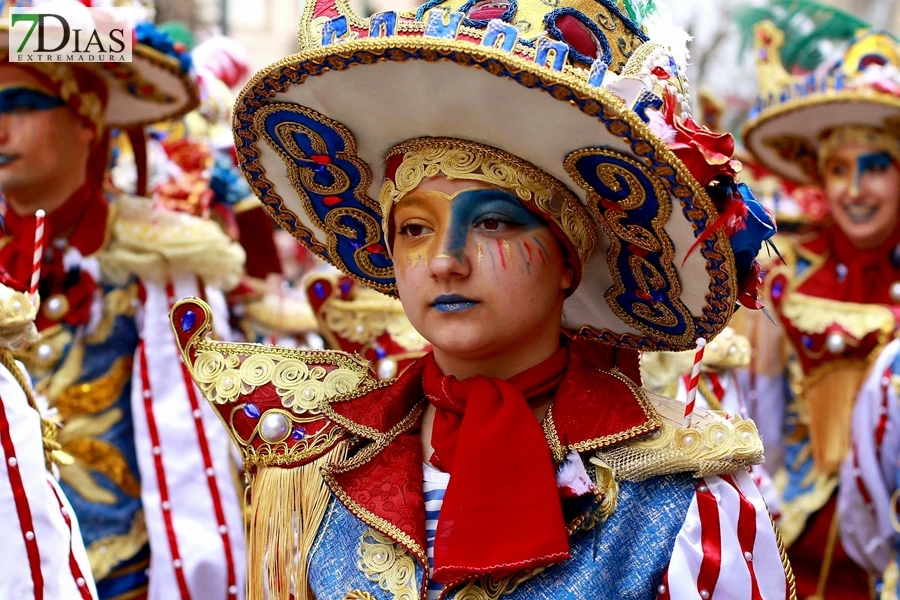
(452, 303)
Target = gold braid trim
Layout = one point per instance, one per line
(858, 134)
(287, 507)
(785, 562)
(49, 429)
(463, 159)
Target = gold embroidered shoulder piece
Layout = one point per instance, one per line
(273, 401)
(156, 245)
(714, 444)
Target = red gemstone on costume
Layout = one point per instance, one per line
(637, 250)
(660, 73)
(179, 47)
(332, 200)
(643, 295)
(320, 159)
(610, 205)
(376, 249)
(147, 89)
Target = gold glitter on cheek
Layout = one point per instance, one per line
(507, 250)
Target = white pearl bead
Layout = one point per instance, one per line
(360, 329)
(157, 450)
(17, 306)
(176, 563)
(44, 352)
(210, 472)
(166, 505)
(688, 440)
(836, 343)
(274, 427)
(719, 436)
(147, 394)
(232, 590)
(387, 368)
(223, 529)
(895, 291)
(841, 271)
(228, 381)
(197, 414)
(54, 305)
(748, 556)
(704, 594)
(80, 581)
(703, 489)
(12, 462)
(308, 394)
(661, 589)
(29, 535)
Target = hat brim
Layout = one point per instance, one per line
(642, 288)
(150, 89)
(805, 119)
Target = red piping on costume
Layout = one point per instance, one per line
(883, 417)
(73, 563)
(860, 484)
(147, 395)
(26, 524)
(207, 457)
(716, 382)
(710, 540)
(746, 533)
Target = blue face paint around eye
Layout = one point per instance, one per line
(24, 98)
(875, 162)
(471, 207)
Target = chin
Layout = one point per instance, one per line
(461, 342)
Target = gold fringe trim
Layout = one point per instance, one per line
(286, 510)
(785, 562)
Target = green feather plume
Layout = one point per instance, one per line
(813, 32)
(639, 10)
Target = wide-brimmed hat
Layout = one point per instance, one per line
(578, 99)
(156, 86)
(801, 107)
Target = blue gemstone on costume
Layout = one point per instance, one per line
(380, 352)
(251, 410)
(763, 55)
(298, 434)
(658, 297)
(777, 289)
(188, 320)
(355, 245)
(319, 289)
(807, 341)
(345, 286)
(323, 176)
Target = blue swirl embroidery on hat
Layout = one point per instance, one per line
(633, 209)
(332, 182)
(507, 16)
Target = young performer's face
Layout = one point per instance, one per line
(41, 139)
(477, 272)
(863, 187)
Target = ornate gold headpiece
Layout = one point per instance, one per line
(409, 163)
(858, 134)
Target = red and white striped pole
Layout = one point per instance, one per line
(38, 253)
(694, 383)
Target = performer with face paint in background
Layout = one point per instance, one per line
(836, 296)
(150, 482)
(544, 207)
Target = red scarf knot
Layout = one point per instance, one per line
(502, 511)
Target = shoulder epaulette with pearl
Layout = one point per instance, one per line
(715, 444)
(272, 400)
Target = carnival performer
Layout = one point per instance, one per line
(837, 294)
(541, 222)
(43, 554)
(151, 481)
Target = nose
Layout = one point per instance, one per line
(449, 265)
(853, 190)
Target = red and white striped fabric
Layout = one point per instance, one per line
(868, 474)
(726, 548)
(728, 393)
(42, 553)
(191, 503)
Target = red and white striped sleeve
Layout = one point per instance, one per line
(727, 547)
(868, 473)
(42, 553)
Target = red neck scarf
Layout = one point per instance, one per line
(502, 512)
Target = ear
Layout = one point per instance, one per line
(86, 134)
(568, 277)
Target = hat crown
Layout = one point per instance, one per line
(871, 59)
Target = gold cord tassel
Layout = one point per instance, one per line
(286, 510)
